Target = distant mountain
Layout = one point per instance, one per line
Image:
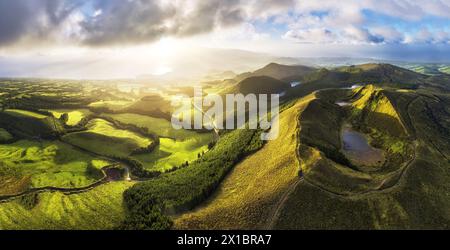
(382, 73)
(278, 71)
(219, 76)
(151, 105)
(260, 85)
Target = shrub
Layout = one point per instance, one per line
(29, 201)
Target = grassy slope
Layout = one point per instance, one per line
(185, 188)
(111, 105)
(378, 111)
(47, 164)
(152, 105)
(159, 126)
(260, 85)
(247, 196)
(179, 147)
(102, 138)
(419, 201)
(100, 208)
(75, 116)
(278, 71)
(22, 113)
(420, 198)
(28, 123)
(5, 135)
(172, 153)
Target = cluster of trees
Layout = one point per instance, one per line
(93, 172)
(183, 189)
(29, 201)
(144, 212)
(136, 167)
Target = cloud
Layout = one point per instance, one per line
(389, 34)
(124, 22)
(315, 35)
(366, 21)
(425, 36)
(361, 35)
(35, 21)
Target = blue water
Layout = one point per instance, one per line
(354, 141)
(358, 150)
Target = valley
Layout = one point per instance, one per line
(359, 147)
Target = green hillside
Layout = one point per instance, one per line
(279, 71)
(260, 85)
(385, 197)
(30, 124)
(103, 138)
(100, 208)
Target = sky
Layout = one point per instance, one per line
(129, 38)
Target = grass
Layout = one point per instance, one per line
(171, 153)
(374, 108)
(103, 127)
(158, 126)
(418, 199)
(22, 113)
(111, 105)
(5, 135)
(260, 85)
(102, 138)
(445, 69)
(152, 105)
(185, 188)
(29, 124)
(100, 208)
(47, 164)
(248, 195)
(176, 147)
(419, 202)
(75, 116)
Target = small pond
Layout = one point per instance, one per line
(358, 150)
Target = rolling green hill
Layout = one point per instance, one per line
(278, 71)
(359, 147)
(31, 164)
(384, 74)
(151, 105)
(260, 85)
(385, 197)
(104, 139)
(30, 124)
(100, 208)
(248, 197)
(5, 136)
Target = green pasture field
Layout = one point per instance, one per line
(99, 208)
(75, 116)
(47, 163)
(158, 126)
(104, 139)
(171, 153)
(22, 113)
(111, 105)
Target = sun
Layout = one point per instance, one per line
(161, 70)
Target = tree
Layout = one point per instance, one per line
(64, 118)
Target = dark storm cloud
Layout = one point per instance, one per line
(126, 22)
(120, 21)
(140, 21)
(15, 18)
(36, 19)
